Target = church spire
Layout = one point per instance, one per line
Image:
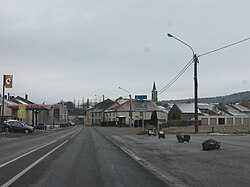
(154, 87)
(154, 94)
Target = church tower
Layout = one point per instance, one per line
(154, 97)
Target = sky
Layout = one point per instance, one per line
(74, 49)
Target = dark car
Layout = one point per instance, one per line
(16, 126)
(42, 126)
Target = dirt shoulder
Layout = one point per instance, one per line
(227, 129)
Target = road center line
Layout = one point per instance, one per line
(12, 180)
(25, 154)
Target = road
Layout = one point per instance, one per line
(74, 156)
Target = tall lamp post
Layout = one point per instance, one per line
(196, 61)
(130, 106)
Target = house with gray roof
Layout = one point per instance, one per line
(110, 113)
(210, 114)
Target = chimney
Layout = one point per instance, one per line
(26, 96)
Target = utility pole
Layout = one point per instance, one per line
(130, 106)
(196, 61)
(2, 108)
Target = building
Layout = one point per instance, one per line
(138, 117)
(33, 113)
(98, 112)
(8, 112)
(209, 114)
(117, 113)
(184, 112)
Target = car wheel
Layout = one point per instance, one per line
(26, 131)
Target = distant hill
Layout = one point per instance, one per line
(233, 98)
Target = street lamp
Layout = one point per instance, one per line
(196, 61)
(130, 106)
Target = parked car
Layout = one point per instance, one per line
(42, 126)
(16, 126)
(72, 124)
(161, 134)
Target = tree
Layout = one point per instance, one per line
(154, 119)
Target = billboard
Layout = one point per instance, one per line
(8, 81)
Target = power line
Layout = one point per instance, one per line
(191, 61)
(223, 47)
(176, 77)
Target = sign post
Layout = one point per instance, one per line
(7, 83)
(141, 106)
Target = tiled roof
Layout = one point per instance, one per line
(187, 108)
(151, 106)
(102, 106)
(20, 100)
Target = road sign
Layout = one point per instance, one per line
(140, 97)
(141, 103)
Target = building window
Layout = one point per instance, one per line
(221, 121)
(230, 121)
(213, 121)
(245, 121)
(56, 113)
(238, 121)
(204, 121)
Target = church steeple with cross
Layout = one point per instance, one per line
(154, 97)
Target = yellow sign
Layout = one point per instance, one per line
(21, 111)
(8, 80)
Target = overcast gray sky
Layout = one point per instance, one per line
(70, 49)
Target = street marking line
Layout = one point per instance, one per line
(25, 154)
(12, 180)
(72, 136)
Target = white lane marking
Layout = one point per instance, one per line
(12, 180)
(74, 134)
(25, 154)
(66, 135)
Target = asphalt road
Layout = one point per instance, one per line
(74, 156)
